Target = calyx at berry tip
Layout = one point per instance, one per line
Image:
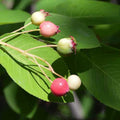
(67, 45)
(73, 43)
(45, 13)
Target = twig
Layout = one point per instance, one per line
(40, 47)
(22, 27)
(39, 64)
(32, 56)
(19, 33)
(42, 70)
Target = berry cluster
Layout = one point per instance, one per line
(48, 29)
(59, 86)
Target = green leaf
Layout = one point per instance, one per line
(7, 28)
(90, 12)
(99, 70)
(23, 4)
(48, 5)
(20, 101)
(109, 34)
(31, 27)
(12, 16)
(26, 74)
(2, 7)
(111, 114)
(71, 27)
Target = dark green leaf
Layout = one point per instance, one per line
(23, 4)
(7, 28)
(99, 70)
(111, 114)
(20, 101)
(90, 12)
(71, 27)
(109, 34)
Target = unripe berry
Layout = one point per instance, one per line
(66, 45)
(38, 17)
(74, 82)
(48, 29)
(59, 87)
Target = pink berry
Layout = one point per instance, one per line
(59, 87)
(48, 29)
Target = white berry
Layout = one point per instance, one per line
(74, 82)
(38, 17)
(65, 46)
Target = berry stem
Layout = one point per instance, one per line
(19, 34)
(40, 47)
(22, 27)
(42, 70)
(33, 57)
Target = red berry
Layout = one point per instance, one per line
(48, 29)
(59, 87)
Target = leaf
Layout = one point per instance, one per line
(99, 70)
(71, 27)
(48, 5)
(2, 7)
(90, 12)
(31, 27)
(26, 74)
(20, 101)
(7, 28)
(108, 34)
(111, 114)
(12, 16)
(23, 4)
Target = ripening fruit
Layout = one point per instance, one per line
(74, 82)
(38, 17)
(66, 45)
(59, 87)
(48, 29)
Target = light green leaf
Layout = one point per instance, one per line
(2, 7)
(26, 74)
(99, 70)
(20, 101)
(12, 16)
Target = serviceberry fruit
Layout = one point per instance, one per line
(48, 29)
(74, 82)
(38, 17)
(66, 45)
(59, 87)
